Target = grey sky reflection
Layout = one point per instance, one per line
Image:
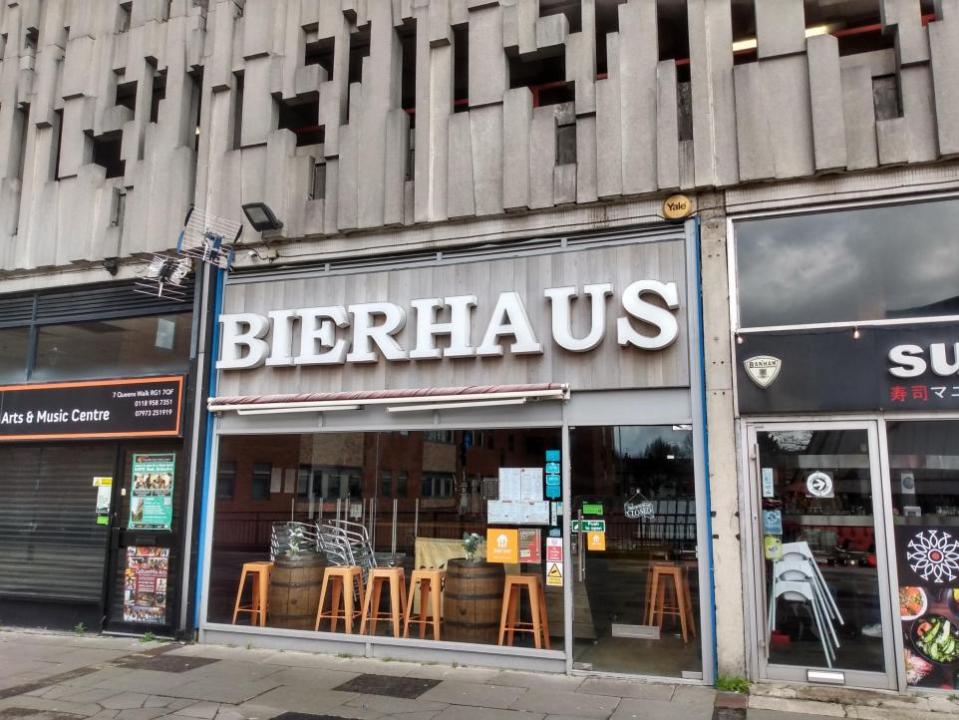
(865, 264)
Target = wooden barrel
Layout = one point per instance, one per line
(472, 601)
(295, 591)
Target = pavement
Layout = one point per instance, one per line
(58, 676)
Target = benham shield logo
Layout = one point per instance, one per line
(763, 369)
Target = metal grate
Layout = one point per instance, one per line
(408, 688)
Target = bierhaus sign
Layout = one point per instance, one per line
(366, 332)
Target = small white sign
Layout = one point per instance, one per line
(819, 485)
(769, 486)
(907, 483)
(763, 369)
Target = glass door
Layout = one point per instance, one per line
(634, 551)
(823, 580)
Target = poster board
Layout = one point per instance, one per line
(145, 585)
(151, 491)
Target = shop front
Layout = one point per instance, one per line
(92, 464)
(848, 390)
(489, 456)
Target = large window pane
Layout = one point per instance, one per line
(636, 594)
(924, 469)
(873, 263)
(414, 495)
(13, 354)
(114, 347)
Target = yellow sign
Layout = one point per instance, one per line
(502, 545)
(596, 541)
(677, 207)
(100, 481)
(554, 574)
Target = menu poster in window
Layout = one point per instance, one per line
(928, 559)
(530, 544)
(151, 493)
(145, 585)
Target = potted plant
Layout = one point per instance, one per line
(471, 542)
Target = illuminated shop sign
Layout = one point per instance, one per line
(130, 407)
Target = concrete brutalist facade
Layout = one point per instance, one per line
(795, 111)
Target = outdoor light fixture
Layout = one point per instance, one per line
(261, 217)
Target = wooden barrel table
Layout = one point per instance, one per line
(472, 600)
(295, 591)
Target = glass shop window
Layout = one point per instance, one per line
(14, 345)
(226, 481)
(857, 265)
(111, 348)
(393, 504)
(924, 475)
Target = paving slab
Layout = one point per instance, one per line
(559, 702)
(318, 679)
(638, 709)
(123, 701)
(694, 695)
(300, 699)
(457, 692)
(220, 691)
(463, 712)
(391, 706)
(202, 710)
(627, 688)
(141, 713)
(536, 680)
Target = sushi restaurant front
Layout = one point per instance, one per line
(499, 452)
(848, 396)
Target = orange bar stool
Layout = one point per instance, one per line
(395, 578)
(259, 573)
(430, 586)
(679, 602)
(341, 582)
(510, 622)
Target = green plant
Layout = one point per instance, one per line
(79, 628)
(471, 543)
(732, 683)
(148, 637)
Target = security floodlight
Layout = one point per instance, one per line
(261, 217)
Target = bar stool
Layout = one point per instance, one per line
(395, 577)
(341, 582)
(510, 623)
(259, 573)
(679, 594)
(430, 585)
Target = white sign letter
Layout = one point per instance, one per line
(281, 345)
(319, 324)
(561, 300)
(940, 365)
(908, 357)
(640, 309)
(509, 318)
(458, 328)
(243, 330)
(366, 334)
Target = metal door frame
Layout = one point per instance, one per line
(755, 564)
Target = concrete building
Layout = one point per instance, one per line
(396, 138)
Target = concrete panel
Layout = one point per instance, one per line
(714, 108)
(638, 56)
(667, 126)
(517, 121)
(434, 103)
(752, 127)
(551, 31)
(586, 152)
(919, 111)
(944, 48)
(905, 16)
(488, 70)
(825, 95)
(892, 137)
(259, 109)
(347, 180)
(460, 198)
(258, 26)
(542, 157)
(564, 184)
(77, 78)
(609, 155)
(786, 100)
(397, 154)
(859, 118)
(219, 60)
(581, 70)
(780, 28)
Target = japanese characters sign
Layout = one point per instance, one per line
(843, 369)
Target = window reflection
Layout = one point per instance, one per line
(873, 263)
(13, 354)
(113, 347)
